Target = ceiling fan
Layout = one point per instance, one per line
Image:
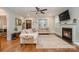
(38, 10)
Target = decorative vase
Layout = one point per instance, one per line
(74, 20)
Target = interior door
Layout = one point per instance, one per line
(28, 24)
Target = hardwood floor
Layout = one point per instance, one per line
(14, 46)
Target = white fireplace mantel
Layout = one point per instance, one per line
(75, 32)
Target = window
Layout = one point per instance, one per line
(43, 23)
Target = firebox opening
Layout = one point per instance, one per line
(67, 34)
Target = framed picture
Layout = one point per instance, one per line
(23, 25)
(18, 21)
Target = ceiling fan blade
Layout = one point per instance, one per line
(37, 8)
(44, 10)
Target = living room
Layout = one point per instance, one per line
(46, 24)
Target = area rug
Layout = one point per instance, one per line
(52, 41)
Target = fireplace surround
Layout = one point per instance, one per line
(67, 34)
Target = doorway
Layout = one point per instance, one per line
(3, 24)
(28, 24)
(3, 27)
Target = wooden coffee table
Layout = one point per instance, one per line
(29, 42)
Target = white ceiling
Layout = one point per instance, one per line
(27, 11)
(2, 12)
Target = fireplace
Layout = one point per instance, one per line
(67, 34)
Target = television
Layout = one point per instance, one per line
(64, 16)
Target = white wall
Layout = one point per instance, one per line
(57, 27)
(51, 24)
(74, 13)
(10, 22)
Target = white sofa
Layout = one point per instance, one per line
(28, 32)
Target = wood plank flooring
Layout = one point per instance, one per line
(14, 46)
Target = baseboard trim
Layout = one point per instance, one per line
(58, 35)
